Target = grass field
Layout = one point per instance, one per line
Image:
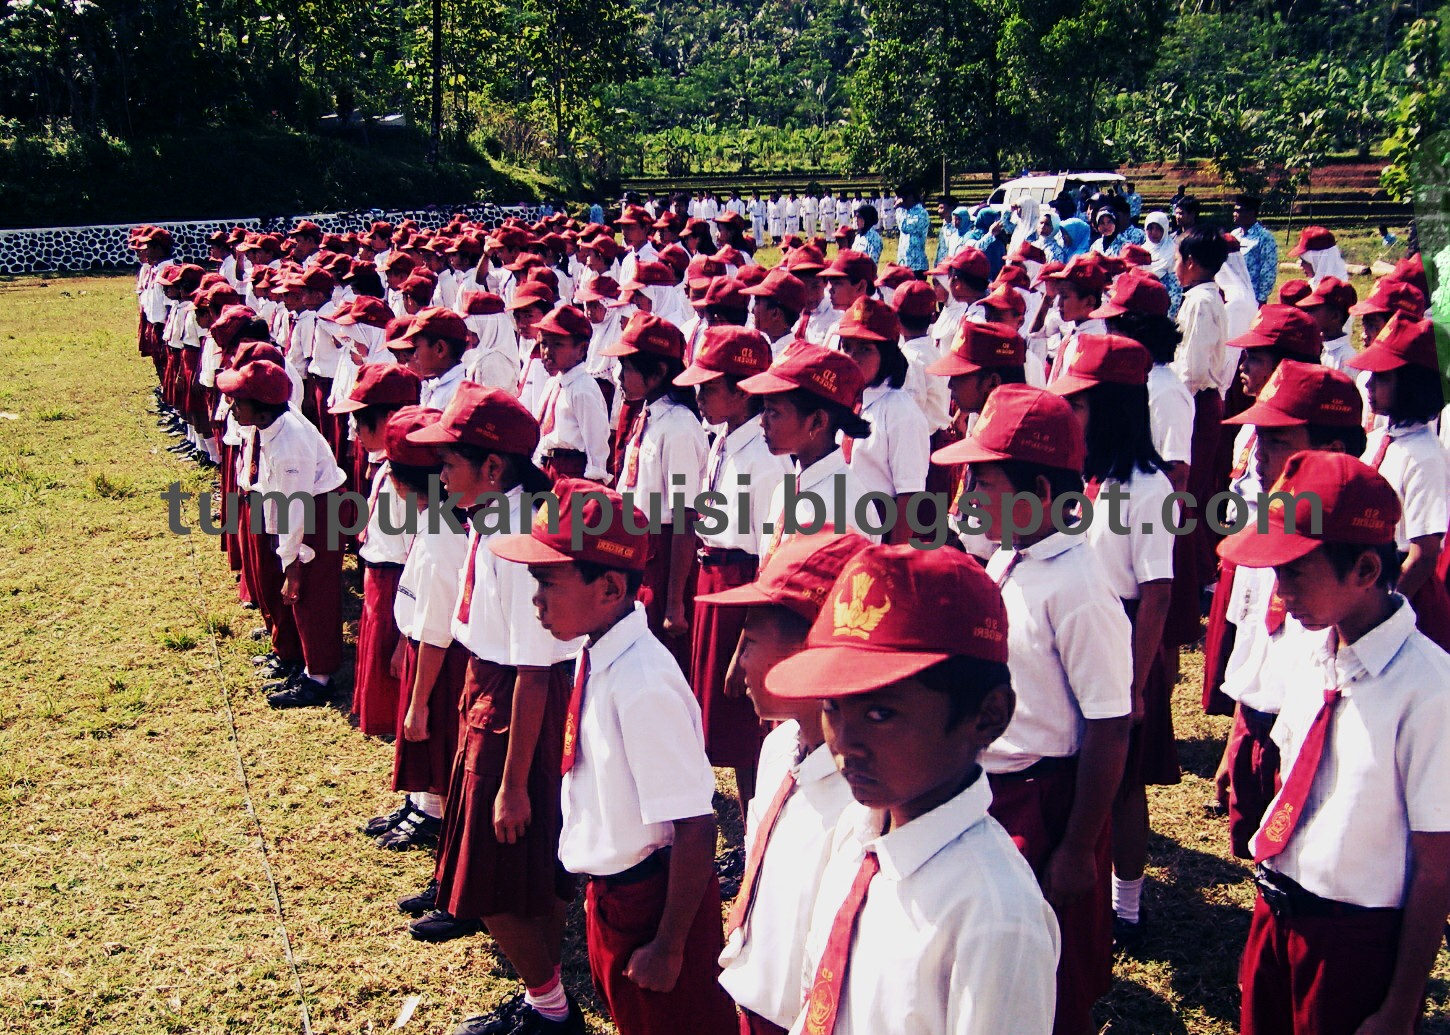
(176, 857)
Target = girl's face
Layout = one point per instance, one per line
(633, 382)
(786, 428)
(1155, 233)
(371, 436)
(464, 478)
(719, 401)
(1382, 391)
(1371, 324)
(1074, 307)
(1044, 226)
(1081, 409)
(866, 356)
(1106, 225)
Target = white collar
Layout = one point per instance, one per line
(908, 848)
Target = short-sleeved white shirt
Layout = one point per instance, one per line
(828, 478)
(954, 937)
(896, 456)
(1137, 557)
(437, 392)
(1415, 465)
(929, 391)
(295, 459)
(641, 763)
(762, 960)
(732, 458)
(428, 588)
(379, 546)
(581, 420)
(673, 444)
(1246, 675)
(1069, 646)
(1384, 771)
(1170, 412)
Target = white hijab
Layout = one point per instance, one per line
(1025, 226)
(494, 361)
(1165, 252)
(1327, 262)
(1238, 294)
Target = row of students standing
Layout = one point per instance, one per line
(808, 397)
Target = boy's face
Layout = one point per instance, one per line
(1315, 595)
(244, 412)
(970, 391)
(992, 486)
(1371, 324)
(720, 402)
(1273, 448)
(371, 436)
(1075, 307)
(526, 319)
(570, 607)
(1329, 320)
(844, 292)
(894, 748)
(560, 354)
(765, 642)
(1256, 366)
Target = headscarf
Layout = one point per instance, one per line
(1025, 227)
(1238, 294)
(1165, 251)
(1076, 236)
(962, 219)
(1327, 262)
(669, 303)
(494, 361)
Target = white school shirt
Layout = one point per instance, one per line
(581, 420)
(437, 392)
(295, 459)
(1139, 556)
(1069, 646)
(629, 264)
(930, 392)
(896, 456)
(1170, 414)
(1384, 769)
(1337, 352)
(1203, 361)
(1415, 466)
(781, 346)
(323, 351)
(831, 480)
(732, 458)
(428, 588)
(385, 504)
(641, 762)
(773, 217)
(820, 324)
(502, 624)
(791, 213)
(1067, 346)
(673, 444)
(762, 961)
(954, 937)
(533, 375)
(211, 360)
(1245, 672)
(153, 301)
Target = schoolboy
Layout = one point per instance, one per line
(1303, 406)
(1055, 771)
(573, 418)
(637, 792)
(741, 474)
(915, 305)
(433, 347)
(779, 301)
(909, 660)
(1329, 304)
(1353, 857)
(789, 828)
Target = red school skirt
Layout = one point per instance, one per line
(375, 688)
(655, 593)
(477, 875)
(425, 765)
(1218, 644)
(733, 732)
(1152, 747)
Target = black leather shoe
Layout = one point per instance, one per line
(422, 902)
(305, 693)
(442, 926)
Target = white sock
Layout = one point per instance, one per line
(324, 680)
(550, 1001)
(213, 451)
(428, 804)
(1127, 894)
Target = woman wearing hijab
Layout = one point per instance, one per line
(1164, 252)
(1048, 237)
(1023, 221)
(1116, 233)
(988, 235)
(1076, 237)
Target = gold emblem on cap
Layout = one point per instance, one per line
(826, 379)
(1272, 388)
(854, 617)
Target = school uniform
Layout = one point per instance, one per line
(381, 553)
(931, 393)
(324, 355)
(791, 216)
(789, 846)
(1337, 352)
(438, 391)
(818, 326)
(830, 480)
(292, 457)
(1412, 460)
(498, 626)
(533, 378)
(809, 208)
(665, 442)
(1127, 561)
(1170, 413)
(573, 426)
(1345, 865)
(426, 601)
(743, 471)
(640, 766)
(917, 960)
(775, 219)
(895, 458)
(629, 264)
(1070, 650)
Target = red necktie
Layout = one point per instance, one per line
(1288, 808)
(255, 467)
(1007, 571)
(576, 705)
(524, 380)
(1274, 616)
(1241, 462)
(717, 461)
(825, 997)
(746, 897)
(465, 599)
(847, 444)
(1379, 455)
(1091, 487)
(631, 454)
(547, 424)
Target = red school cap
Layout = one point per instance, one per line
(915, 299)
(1005, 299)
(894, 612)
(833, 376)
(981, 346)
(1403, 343)
(1136, 291)
(1284, 327)
(1022, 423)
(366, 310)
(783, 288)
(382, 384)
(738, 351)
(397, 441)
(596, 520)
(230, 322)
(969, 262)
(261, 381)
(481, 303)
(724, 293)
(1104, 359)
(1086, 271)
(437, 322)
(1312, 239)
(897, 277)
(797, 576)
(602, 288)
(851, 265)
(566, 321)
(1304, 393)
(1292, 292)
(1331, 291)
(1355, 505)
(1391, 296)
(870, 319)
(650, 334)
(483, 417)
(532, 292)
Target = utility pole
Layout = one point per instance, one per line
(436, 144)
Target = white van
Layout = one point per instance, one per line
(1044, 187)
